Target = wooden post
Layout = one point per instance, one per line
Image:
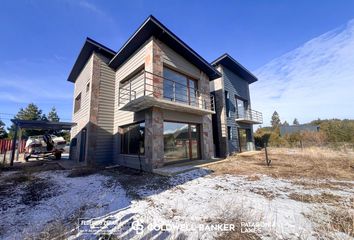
(19, 143)
(13, 149)
(266, 153)
(4, 160)
(265, 139)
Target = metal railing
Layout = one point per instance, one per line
(250, 115)
(149, 84)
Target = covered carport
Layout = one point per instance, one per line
(34, 125)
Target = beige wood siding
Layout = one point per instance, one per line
(176, 61)
(105, 118)
(132, 64)
(81, 117)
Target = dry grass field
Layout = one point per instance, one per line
(314, 163)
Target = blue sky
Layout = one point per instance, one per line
(40, 40)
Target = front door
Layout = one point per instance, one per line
(82, 145)
(242, 136)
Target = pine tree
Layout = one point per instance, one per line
(275, 122)
(53, 115)
(31, 112)
(3, 133)
(285, 123)
(296, 122)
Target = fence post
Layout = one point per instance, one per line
(4, 160)
(19, 144)
(265, 139)
(13, 150)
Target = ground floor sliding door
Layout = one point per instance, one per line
(181, 141)
(245, 139)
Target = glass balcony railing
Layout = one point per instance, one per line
(146, 84)
(249, 116)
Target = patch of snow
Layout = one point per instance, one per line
(187, 205)
(72, 194)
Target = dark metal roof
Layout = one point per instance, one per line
(229, 62)
(87, 49)
(43, 125)
(152, 27)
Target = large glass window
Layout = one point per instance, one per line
(181, 141)
(133, 139)
(241, 107)
(178, 87)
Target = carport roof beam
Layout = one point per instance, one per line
(42, 125)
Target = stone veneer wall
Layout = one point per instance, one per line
(154, 146)
(207, 143)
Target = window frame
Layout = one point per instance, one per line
(245, 105)
(77, 103)
(122, 139)
(227, 103)
(229, 133)
(199, 143)
(88, 87)
(189, 79)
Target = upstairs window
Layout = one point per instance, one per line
(229, 133)
(227, 103)
(178, 87)
(241, 106)
(77, 104)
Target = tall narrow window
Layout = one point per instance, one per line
(229, 133)
(241, 107)
(227, 103)
(77, 104)
(88, 87)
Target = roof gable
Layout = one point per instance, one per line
(87, 49)
(229, 62)
(152, 27)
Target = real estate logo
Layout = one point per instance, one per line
(138, 227)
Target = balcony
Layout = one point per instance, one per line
(146, 90)
(249, 116)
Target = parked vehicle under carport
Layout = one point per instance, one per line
(44, 146)
(38, 125)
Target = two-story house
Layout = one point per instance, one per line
(145, 106)
(148, 104)
(234, 117)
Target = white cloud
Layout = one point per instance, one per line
(314, 80)
(20, 90)
(91, 7)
